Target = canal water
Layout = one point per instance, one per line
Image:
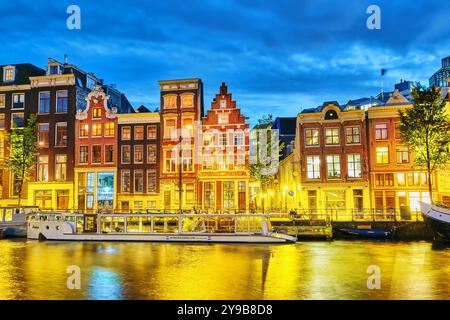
(306, 270)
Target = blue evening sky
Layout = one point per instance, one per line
(276, 56)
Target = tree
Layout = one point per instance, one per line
(22, 152)
(425, 129)
(263, 169)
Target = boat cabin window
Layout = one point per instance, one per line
(194, 224)
(139, 224)
(112, 224)
(165, 224)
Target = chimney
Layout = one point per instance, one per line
(66, 58)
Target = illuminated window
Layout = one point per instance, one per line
(139, 154)
(109, 129)
(401, 181)
(138, 181)
(151, 153)
(125, 181)
(331, 136)
(62, 101)
(2, 121)
(352, 135)
(312, 137)
(43, 132)
(207, 139)
(61, 134)
(97, 113)
(2, 100)
(358, 200)
(2, 154)
(397, 131)
(97, 154)
(228, 195)
(169, 129)
(209, 194)
(189, 193)
(382, 155)
(84, 130)
(187, 101)
(9, 74)
(151, 132)
(354, 166)
(83, 154)
(96, 129)
(60, 167)
(42, 171)
(126, 133)
(170, 102)
(187, 160)
(188, 127)
(151, 180)
(43, 199)
(222, 118)
(402, 154)
(313, 167)
(207, 162)
(170, 160)
(381, 131)
(109, 153)
(138, 132)
(333, 166)
(413, 179)
(125, 154)
(44, 102)
(239, 138)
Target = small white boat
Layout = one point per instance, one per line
(13, 220)
(438, 220)
(154, 228)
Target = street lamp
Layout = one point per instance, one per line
(285, 198)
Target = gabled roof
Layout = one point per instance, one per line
(142, 109)
(397, 98)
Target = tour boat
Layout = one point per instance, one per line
(222, 228)
(438, 220)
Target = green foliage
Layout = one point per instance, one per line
(425, 129)
(22, 151)
(261, 170)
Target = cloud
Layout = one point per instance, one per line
(277, 57)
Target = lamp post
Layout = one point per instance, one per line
(271, 200)
(285, 198)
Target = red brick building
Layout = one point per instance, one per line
(332, 145)
(224, 176)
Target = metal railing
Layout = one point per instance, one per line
(338, 215)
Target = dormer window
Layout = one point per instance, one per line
(9, 74)
(54, 68)
(331, 115)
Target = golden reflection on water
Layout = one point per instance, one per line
(308, 270)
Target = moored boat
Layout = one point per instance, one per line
(154, 228)
(366, 233)
(437, 219)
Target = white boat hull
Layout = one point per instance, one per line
(64, 231)
(438, 220)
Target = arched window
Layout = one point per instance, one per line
(331, 115)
